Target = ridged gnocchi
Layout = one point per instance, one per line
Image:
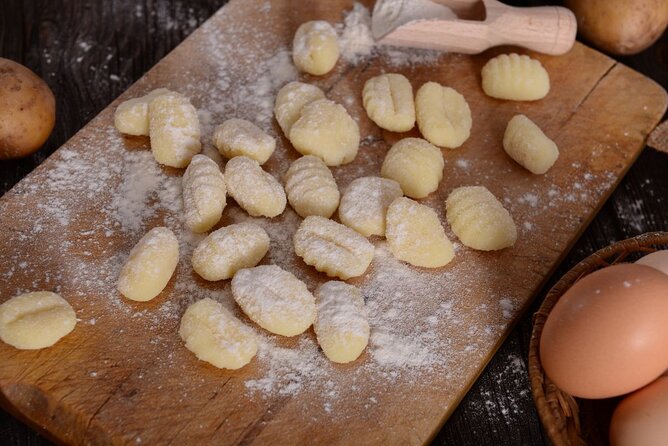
(364, 204)
(231, 248)
(131, 116)
(341, 323)
(388, 100)
(332, 248)
(443, 115)
(256, 191)
(515, 77)
(479, 219)
(174, 130)
(311, 188)
(526, 143)
(290, 100)
(238, 137)
(204, 193)
(274, 299)
(315, 47)
(415, 234)
(416, 165)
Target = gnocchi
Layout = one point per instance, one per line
(479, 219)
(35, 320)
(204, 194)
(274, 299)
(290, 100)
(225, 251)
(388, 100)
(416, 165)
(515, 77)
(332, 248)
(214, 335)
(315, 48)
(256, 191)
(174, 130)
(526, 143)
(415, 234)
(341, 322)
(443, 115)
(238, 137)
(150, 265)
(311, 188)
(131, 116)
(364, 204)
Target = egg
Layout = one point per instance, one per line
(641, 419)
(657, 260)
(607, 335)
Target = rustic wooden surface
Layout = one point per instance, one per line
(498, 410)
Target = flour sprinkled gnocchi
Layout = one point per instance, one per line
(443, 115)
(174, 130)
(274, 299)
(204, 194)
(341, 323)
(526, 143)
(131, 116)
(311, 188)
(479, 219)
(364, 204)
(515, 77)
(416, 165)
(388, 100)
(238, 137)
(256, 191)
(290, 100)
(315, 48)
(332, 248)
(214, 335)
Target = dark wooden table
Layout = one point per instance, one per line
(90, 51)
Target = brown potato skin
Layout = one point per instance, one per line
(27, 110)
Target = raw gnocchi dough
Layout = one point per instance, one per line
(150, 265)
(274, 299)
(479, 219)
(388, 100)
(311, 188)
(290, 100)
(332, 248)
(415, 234)
(341, 323)
(515, 77)
(204, 194)
(256, 191)
(526, 143)
(173, 129)
(214, 335)
(364, 204)
(443, 115)
(416, 165)
(315, 48)
(238, 137)
(35, 320)
(131, 116)
(229, 249)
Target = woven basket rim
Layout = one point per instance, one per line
(558, 411)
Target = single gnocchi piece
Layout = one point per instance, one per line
(341, 323)
(274, 299)
(415, 234)
(311, 188)
(364, 204)
(388, 100)
(214, 335)
(204, 194)
(35, 320)
(174, 130)
(479, 219)
(238, 137)
(526, 143)
(231, 248)
(332, 248)
(256, 191)
(150, 265)
(290, 100)
(443, 115)
(326, 130)
(515, 77)
(416, 165)
(131, 116)
(315, 48)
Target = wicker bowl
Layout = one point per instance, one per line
(570, 421)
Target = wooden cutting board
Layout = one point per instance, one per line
(123, 375)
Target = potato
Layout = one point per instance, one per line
(27, 110)
(620, 26)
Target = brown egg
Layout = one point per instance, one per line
(607, 335)
(641, 419)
